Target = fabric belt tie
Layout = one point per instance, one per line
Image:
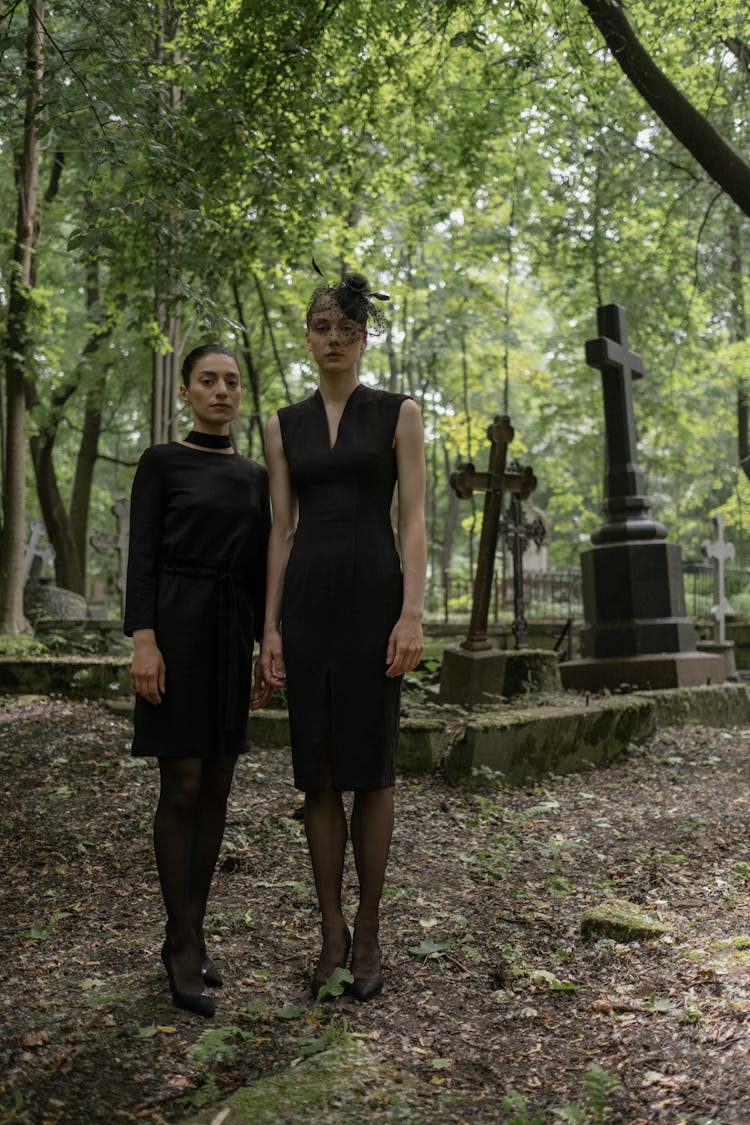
(228, 634)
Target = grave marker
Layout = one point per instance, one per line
(106, 541)
(636, 630)
(35, 555)
(518, 532)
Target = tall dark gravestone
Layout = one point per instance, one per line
(636, 630)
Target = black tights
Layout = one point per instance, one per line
(188, 830)
(371, 830)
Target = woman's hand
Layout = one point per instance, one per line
(405, 645)
(147, 668)
(262, 691)
(271, 660)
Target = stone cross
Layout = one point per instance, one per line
(518, 532)
(35, 556)
(105, 541)
(720, 552)
(625, 506)
(466, 480)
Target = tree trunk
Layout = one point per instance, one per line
(68, 571)
(252, 371)
(88, 450)
(19, 342)
(739, 332)
(680, 116)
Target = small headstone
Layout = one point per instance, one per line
(42, 599)
(519, 532)
(720, 552)
(36, 553)
(118, 541)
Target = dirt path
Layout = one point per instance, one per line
(502, 1000)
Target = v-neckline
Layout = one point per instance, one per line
(321, 401)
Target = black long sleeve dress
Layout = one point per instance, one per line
(199, 524)
(343, 592)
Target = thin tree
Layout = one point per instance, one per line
(18, 341)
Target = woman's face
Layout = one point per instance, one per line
(335, 340)
(214, 392)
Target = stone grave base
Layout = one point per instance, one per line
(725, 649)
(472, 677)
(648, 672)
(531, 669)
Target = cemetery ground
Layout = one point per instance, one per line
(496, 1008)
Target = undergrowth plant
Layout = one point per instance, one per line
(598, 1087)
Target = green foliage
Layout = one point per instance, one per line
(332, 1035)
(17, 647)
(598, 1087)
(335, 985)
(217, 1044)
(488, 164)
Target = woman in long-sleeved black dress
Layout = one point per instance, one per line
(199, 522)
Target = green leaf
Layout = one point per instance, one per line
(289, 1012)
(428, 948)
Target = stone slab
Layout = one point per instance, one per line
(518, 747)
(79, 677)
(649, 672)
(472, 677)
(421, 744)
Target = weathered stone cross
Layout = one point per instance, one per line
(105, 541)
(720, 552)
(466, 480)
(34, 552)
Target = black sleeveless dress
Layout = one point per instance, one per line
(343, 592)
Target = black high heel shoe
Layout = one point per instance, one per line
(212, 978)
(197, 1002)
(367, 988)
(319, 979)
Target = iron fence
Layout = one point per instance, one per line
(700, 594)
(548, 594)
(556, 594)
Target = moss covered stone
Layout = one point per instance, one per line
(329, 1089)
(622, 920)
(531, 670)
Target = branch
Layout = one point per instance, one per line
(680, 116)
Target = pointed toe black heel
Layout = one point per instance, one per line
(212, 978)
(367, 988)
(197, 1002)
(319, 980)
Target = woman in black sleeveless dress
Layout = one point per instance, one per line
(199, 521)
(343, 624)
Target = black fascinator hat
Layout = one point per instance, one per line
(355, 297)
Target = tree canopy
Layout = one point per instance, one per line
(501, 168)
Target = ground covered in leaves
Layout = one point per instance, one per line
(495, 1008)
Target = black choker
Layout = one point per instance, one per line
(209, 441)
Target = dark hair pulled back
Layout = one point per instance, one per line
(192, 358)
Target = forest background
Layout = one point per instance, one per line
(499, 167)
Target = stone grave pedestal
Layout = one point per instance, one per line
(472, 677)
